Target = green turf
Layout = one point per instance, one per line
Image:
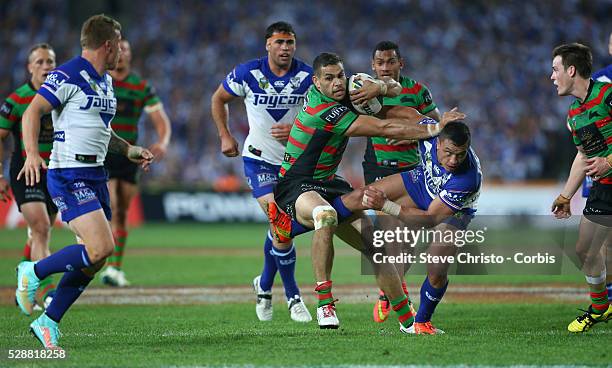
(174, 257)
(151, 336)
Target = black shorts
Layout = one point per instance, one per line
(120, 167)
(37, 193)
(598, 206)
(373, 172)
(288, 190)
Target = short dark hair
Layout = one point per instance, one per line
(578, 55)
(325, 59)
(387, 45)
(97, 30)
(42, 45)
(458, 132)
(280, 27)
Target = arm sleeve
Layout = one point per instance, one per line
(55, 89)
(426, 103)
(234, 81)
(151, 97)
(8, 116)
(457, 191)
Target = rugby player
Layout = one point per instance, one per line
(309, 191)
(34, 202)
(441, 192)
(273, 89)
(602, 75)
(588, 120)
(383, 157)
(134, 95)
(80, 96)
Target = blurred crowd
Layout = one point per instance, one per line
(492, 59)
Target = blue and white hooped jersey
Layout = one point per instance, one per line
(269, 100)
(460, 189)
(83, 106)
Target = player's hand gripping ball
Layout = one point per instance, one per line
(373, 105)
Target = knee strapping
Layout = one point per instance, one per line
(594, 280)
(324, 216)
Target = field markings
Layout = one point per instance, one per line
(346, 293)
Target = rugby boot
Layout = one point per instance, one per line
(263, 304)
(298, 310)
(27, 283)
(585, 321)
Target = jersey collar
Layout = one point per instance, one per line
(89, 68)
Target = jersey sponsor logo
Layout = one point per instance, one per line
(427, 97)
(59, 136)
(55, 79)
(593, 142)
(84, 195)
(456, 196)
(103, 103)
(60, 203)
(279, 83)
(335, 114)
(5, 109)
(264, 179)
(277, 101)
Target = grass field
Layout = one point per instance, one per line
(191, 306)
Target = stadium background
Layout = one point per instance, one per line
(489, 58)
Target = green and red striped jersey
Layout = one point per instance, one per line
(416, 95)
(590, 123)
(133, 94)
(11, 113)
(317, 141)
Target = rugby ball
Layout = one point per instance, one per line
(374, 105)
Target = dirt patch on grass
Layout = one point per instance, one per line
(346, 294)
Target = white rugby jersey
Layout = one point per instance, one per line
(83, 106)
(269, 100)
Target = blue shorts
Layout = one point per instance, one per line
(78, 191)
(414, 183)
(261, 176)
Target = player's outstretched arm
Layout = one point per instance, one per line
(220, 112)
(162, 126)
(561, 205)
(137, 154)
(30, 123)
(401, 123)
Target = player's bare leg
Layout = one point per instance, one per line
(121, 194)
(591, 238)
(354, 233)
(315, 212)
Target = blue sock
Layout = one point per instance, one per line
(285, 261)
(72, 257)
(609, 288)
(269, 269)
(68, 290)
(430, 297)
(343, 212)
(298, 229)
